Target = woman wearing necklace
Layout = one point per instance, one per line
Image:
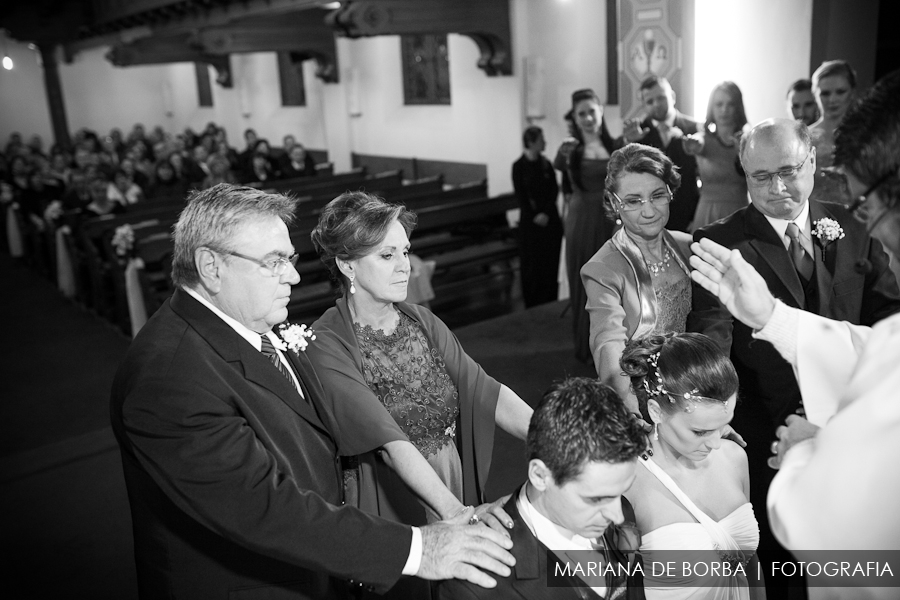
(724, 187)
(691, 493)
(638, 283)
(403, 397)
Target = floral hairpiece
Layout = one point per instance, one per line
(659, 389)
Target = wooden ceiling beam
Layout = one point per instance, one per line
(303, 33)
(163, 50)
(485, 21)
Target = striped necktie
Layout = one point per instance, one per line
(802, 261)
(268, 350)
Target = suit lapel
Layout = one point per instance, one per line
(763, 239)
(259, 370)
(529, 576)
(235, 349)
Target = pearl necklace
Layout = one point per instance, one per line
(656, 268)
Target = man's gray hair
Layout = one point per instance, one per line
(768, 127)
(211, 219)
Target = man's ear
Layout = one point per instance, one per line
(812, 158)
(539, 475)
(208, 265)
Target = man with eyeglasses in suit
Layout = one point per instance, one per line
(807, 252)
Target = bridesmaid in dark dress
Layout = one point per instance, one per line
(584, 158)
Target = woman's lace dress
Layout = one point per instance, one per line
(411, 382)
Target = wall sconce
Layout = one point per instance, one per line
(7, 61)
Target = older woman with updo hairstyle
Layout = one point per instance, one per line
(584, 159)
(402, 391)
(638, 283)
(693, 490)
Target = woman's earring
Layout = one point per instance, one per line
(618, 219)
(352, 287)
(656, 432)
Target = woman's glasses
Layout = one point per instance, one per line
(635, 203)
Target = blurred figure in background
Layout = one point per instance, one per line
(716, 150)
(584, 157)
(802, 103)
(540, 228)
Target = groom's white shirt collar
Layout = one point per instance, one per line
(549, 533)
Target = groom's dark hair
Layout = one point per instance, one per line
(581, 420)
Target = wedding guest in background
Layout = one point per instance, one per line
(219, 172)
(664, 128)
(584, 158)
(298, 163)
(260, 170)
(795, 245)
(165, 184)
(540, 228)
(123, 190)
(198, 167)
(692, 491)
(582, 453)
(802, 103)
(834, 85)
(101, 204)
(638, 282)
(226, 445)
(716, 150)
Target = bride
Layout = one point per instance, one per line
(691, 493)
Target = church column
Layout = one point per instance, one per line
(55, 95)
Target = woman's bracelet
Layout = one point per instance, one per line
(460, 511)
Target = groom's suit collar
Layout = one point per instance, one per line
(255, 367)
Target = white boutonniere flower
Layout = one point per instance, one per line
(123, 240)
(827, 230)
(294, 337)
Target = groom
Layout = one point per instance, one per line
(583, 448)
(807, 267)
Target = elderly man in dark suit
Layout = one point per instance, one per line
(664, 128)
(234, 486)
(813, 256)
(583, 448)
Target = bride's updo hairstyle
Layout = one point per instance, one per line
(352, 225)
(678, 370)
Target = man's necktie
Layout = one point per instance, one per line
(268, 351)
(803, 262)
(664, 134)
(616, 583)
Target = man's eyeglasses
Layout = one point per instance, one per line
(858, 208)
(634, 203)
(789, 174)
(277, 266)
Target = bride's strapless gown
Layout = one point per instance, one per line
(734, 538)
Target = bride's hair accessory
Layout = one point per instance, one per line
(658, 390)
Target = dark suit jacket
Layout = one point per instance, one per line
(768, 387)
(684, 204)
(528, 579)
(232, 477)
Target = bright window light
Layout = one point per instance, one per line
(713, 62)
(7, 63)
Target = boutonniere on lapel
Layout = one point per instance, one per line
(294, 337)
(827, 231)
